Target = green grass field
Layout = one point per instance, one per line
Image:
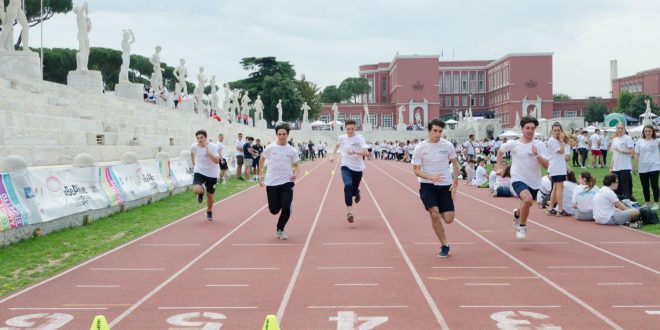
(33, 260)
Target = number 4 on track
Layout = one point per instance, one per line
(349, 321)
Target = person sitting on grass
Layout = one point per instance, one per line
(502, 186)
(544, 191)
(583, 197)
(608, 209)
(569, 189)
(481, 176)
(469, 170)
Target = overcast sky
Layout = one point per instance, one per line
(328, 40)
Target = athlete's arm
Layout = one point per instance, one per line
(296, 170)
(544, 162)
(214, 158)
(454, 162)
(499, 163)
(334, 152)
(262, 162)
(419, 173)
(192, 156)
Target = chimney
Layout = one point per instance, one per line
(614, 72)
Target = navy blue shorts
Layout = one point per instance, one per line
(557, 178)
(519, 186)
(436, 196)
(209, 183)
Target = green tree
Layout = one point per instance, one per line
(560, 96)
(637, 105)
(623, 101)
(594, 111)
(309, 92)
(353, 87)
(33, 11)
(331, 94)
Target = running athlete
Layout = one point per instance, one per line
(437, 179)
(205, 159)
(528, 155)
(223, 161)
(352, 147)
(282, 161)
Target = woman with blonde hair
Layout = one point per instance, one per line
(557, 169)
(623, 148)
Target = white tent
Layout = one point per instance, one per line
(451, 121)
(319, 123)
(636, 131)
(510, 134)
(337, 122)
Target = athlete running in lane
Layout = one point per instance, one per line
(205, 159)
(437, 179)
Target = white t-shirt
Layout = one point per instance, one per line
(238, 144)
(492, 180)
(583, 198)
(278, 161)
(604, 205)
(569, 190)
(621, 161)
(221, 149)
(546, 185)
(582, 142)
(354, 143)
(595, 141)
(203, 164)
(604, 142)
(434, 159)
(525, 167)
(469, 145)
(649, 155)
(481, 177)
(557, 162)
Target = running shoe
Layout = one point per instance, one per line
(516, 219)
(655, 207)
(521, 232)
(552, 212)
(562, 213)
(200, 198)
(209, 216)
(444, 251)
(282, 235)
(349, 217)
(241, 178)
(357, 197)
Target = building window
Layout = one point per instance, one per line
(373, 119)
(456, 101)
(570, 113)
(440, 85)
(325, 118)
(447, 80)
(386, 120)
(456, 78)
(341, 117)
(383, 93)
(482, 99)
(448, 101)
(440, 101)
(464, 82)
(482, 81)
(556, 114)
(473, 82)
(473, 101)
(372, 91)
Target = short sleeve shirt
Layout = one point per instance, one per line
(354, 143)
(525, 167)
(203, 164)
(621, 161)
(278, 163)
(557, 161)
(434, 159)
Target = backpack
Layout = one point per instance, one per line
(648, 216)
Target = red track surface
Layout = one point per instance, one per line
(382, 270)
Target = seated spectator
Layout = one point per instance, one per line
(502, 186)
(469, 171)
(583, 197)
(569, 189)
(608, 209)
(481, 176)
(544, 191)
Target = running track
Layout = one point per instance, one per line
(381, 272)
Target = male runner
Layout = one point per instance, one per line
(352, 147)
(205, 161)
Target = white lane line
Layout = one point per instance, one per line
(227, 285)
(571, 237)
(438, 243)
(615, 284)
(170, 244)
(425, 292)
(206, 307)
(117, 249)
(127, 269)
(653, 312)
(509, 306)
(96, 286)
(338, 243)
(191, 263)
(521, 263)
(356, 284)
(630, 242)
(636, 306)
(244, 268)
(55, 308)
(264, 244)
(487, 284)
(358, 267)
(483, 277)
(508, 231)
(470, 267)
(357, 307)
(303, 253)
(536, 243)
(582, 267)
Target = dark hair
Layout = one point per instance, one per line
(470, 136)
(349, 122)
(435, 122)
(201, 131)
(507, 172)
(570, 176)
(283, 126)
(609, 179)
(528, 120)
(590, 180)
(652, 130)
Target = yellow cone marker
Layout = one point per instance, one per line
(99, 323)
(333, 172)
(271, 323)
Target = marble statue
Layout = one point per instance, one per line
(126, 43)
(533, 113)
(279, 111)
(227, 91)
(84, 27)
(234, 103)
(366, 122)
(245, 103)
(470, 112)
(201, 83)
(258, 108)
(646, 117)
(418, 118)
(305, 108)
(181, 73)
(214, 93)
(515, 124)
(157, 75)
(335, 112)
(460, 116)
(13, 13)
(402, 108)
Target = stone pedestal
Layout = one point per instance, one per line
(130, 91)
(647, 121)
(366, 127)
(401, 127)
(86, 81)
(186, 105)
(261, 124)
(20, 65)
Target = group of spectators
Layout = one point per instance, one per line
(311, 151)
